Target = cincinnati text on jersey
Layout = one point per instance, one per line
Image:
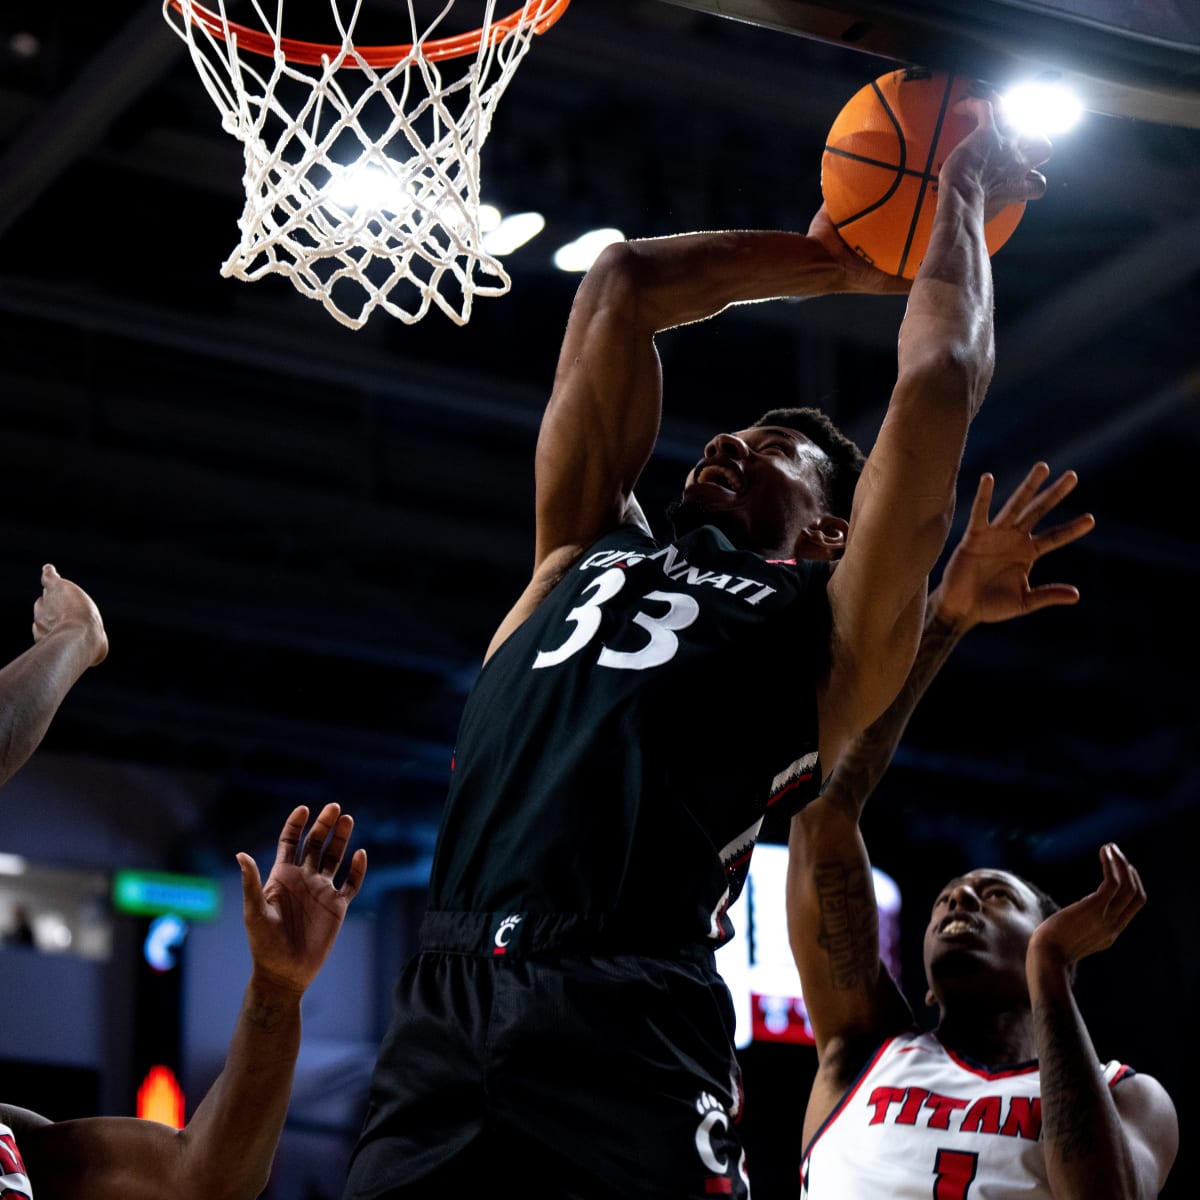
(677, 569)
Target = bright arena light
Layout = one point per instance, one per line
(489, 218)
(584, 250)
(370, 187)
(11, 864)
(513, 232)
(56, 933)
(1042, 109)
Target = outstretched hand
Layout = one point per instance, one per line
(987, 576)
(65, 606)
(293, 921)
(1093, 923)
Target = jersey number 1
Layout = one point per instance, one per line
(954, 1172)
(681, 612)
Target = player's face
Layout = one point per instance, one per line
(762, 486)
(979, 931)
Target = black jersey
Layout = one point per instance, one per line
(619, 751)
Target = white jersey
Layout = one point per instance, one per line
(922, 1121)
(14, 1183)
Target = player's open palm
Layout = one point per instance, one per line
(293, 920)
(1095, 922)
(987, 576)
(64, 604)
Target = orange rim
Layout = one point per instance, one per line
(256, 41)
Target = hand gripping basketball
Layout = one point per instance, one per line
(1003, 164)
(883, 161)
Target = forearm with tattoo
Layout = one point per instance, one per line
(1070, 1078)
(863, 763)
(849, 923)
(1087, 1153)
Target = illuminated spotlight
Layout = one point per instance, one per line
(513, 232)
(489, 218)
(584, 250)
(12, 864)
(1042, 109)
(887, 894)
(369, 187)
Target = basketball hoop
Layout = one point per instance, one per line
(362, 163)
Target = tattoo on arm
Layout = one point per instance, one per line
(1070, 1076)
(849, 923)
(865, 760)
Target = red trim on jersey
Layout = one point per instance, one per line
(851, 1091)
(734, 863)
(787, 787)
(11, 1162)
(1026, 1068)
(718, 920)
(716, 1185)
(1123, 1072)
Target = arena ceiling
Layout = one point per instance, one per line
(302, 537)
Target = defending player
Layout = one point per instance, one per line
(564, 1023)
(226, 1149)
(1006, 1097)
(68, 637)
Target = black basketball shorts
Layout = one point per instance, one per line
(518, 1065)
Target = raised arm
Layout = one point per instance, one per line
(851, 1000)
(1101, 1142)
(905, 499)
(226, 1149)
(602, 420)
(986, 581)
(68, 637)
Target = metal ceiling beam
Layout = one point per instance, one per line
(280, 348)
(380, 372)
(1113, 70)
(1095, 444)
(1080, 312)
(600, 42)
(330, 751)
(74, 122)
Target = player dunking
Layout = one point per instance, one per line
(1007, 1096)
(563, 1031)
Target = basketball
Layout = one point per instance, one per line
(879, 171)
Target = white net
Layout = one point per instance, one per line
(362, 182)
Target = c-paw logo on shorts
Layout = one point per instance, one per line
(714, 1144)
(505, 932)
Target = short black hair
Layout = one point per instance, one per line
(845, 460)
(1047, 905)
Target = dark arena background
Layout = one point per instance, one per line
(302, 537)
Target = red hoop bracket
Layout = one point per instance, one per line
(314, 53)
